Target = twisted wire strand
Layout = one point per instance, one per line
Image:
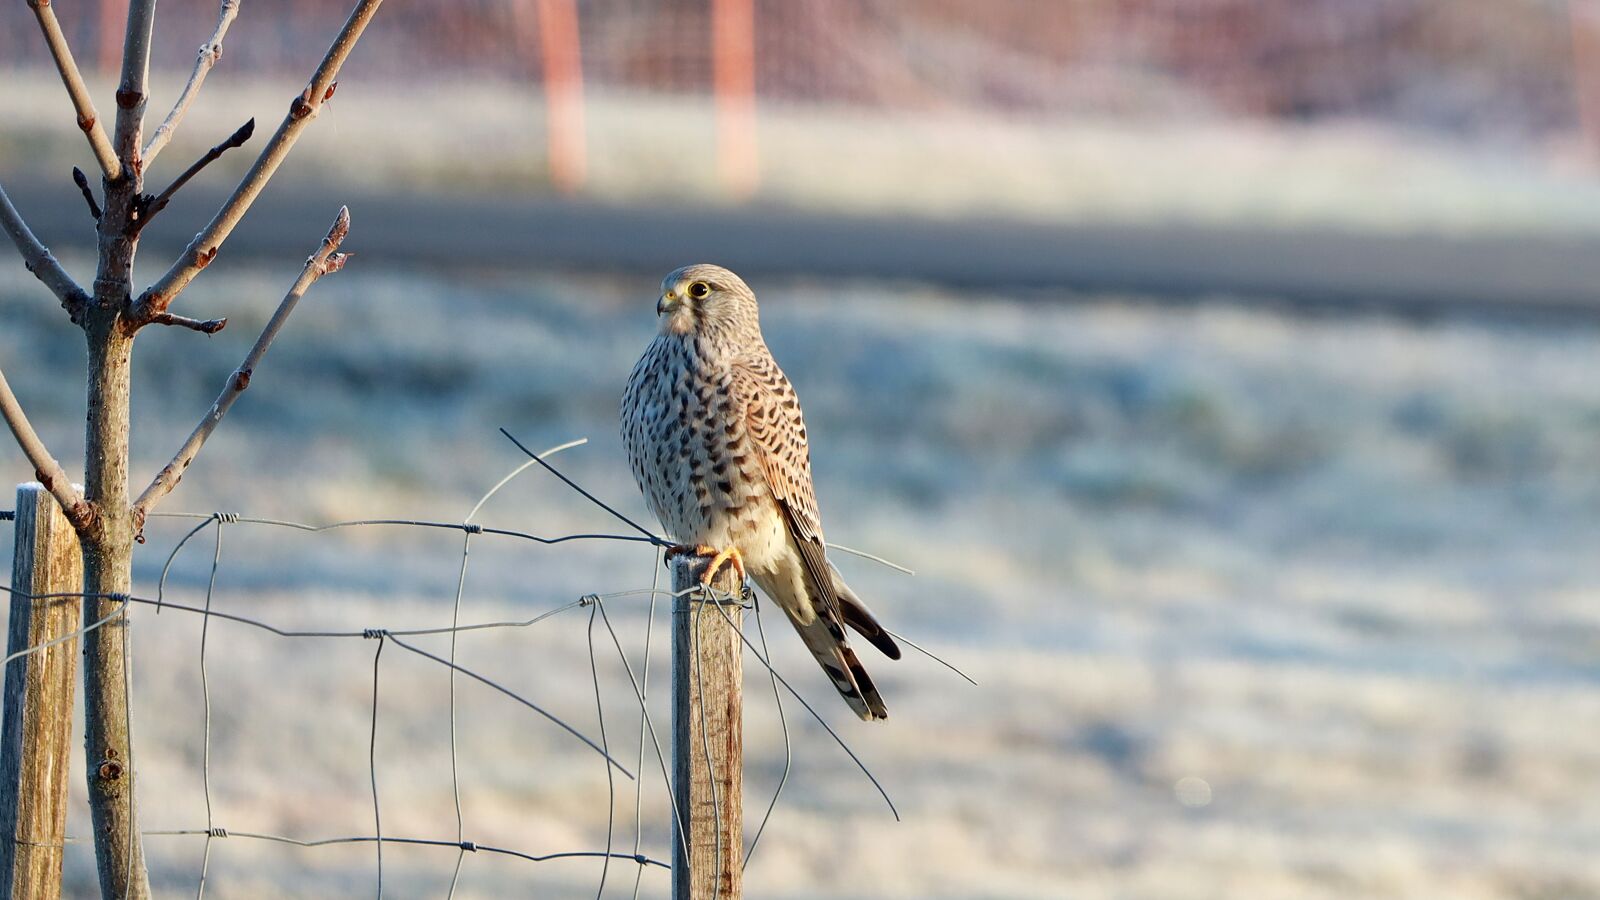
(611, 783)
(205, 693)
(455, 620)
(466, 846)
(372, 763)
(788, 749)
(638, 787)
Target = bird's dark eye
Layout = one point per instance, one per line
(699, 290)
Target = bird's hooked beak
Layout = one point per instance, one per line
(668, 302)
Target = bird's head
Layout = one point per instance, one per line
(709, 301)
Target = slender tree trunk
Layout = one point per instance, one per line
(108, 556)
(103, 515)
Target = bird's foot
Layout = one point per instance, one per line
(721, 558)
(677, 550)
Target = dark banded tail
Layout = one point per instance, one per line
(844, 668)
(857, 616)
(819, 605)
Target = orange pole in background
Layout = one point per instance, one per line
(113, 27)
(733, 71)
(1584, 22)
(562, 63)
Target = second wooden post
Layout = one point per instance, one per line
(35, 739)
(707, 736)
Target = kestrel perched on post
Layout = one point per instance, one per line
(718, 445)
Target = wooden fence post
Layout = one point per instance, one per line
(36, 732)
(707, 724)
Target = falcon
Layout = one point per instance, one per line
(718, 445)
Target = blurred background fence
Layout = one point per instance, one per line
(1517, 70)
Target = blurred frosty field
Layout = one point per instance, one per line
(487, 137)
(1259, 605)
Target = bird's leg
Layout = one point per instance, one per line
(730, 555)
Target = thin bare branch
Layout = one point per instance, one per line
(302, 110)
(210, 52)
(38, 259)
(45, 467)
(162, 199)
(326, 259)
(207, 326)
(82, 181)
(88, 119)
(133, 90)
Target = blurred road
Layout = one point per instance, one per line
(1180, 262)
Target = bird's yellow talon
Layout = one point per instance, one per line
(718, 560)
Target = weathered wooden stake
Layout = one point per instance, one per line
(35, 736)
(707, 723)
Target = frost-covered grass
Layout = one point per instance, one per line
(1341, 570)
(489, 137)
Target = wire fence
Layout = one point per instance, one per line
(620, 846)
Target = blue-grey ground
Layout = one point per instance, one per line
(1258, 604)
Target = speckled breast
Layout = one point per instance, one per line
(686, 443)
